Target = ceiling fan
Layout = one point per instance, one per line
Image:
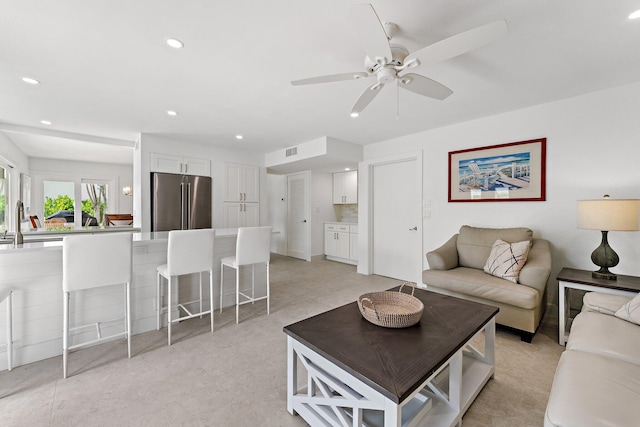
(389, 62)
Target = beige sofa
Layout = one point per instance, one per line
(597, 381)
(456, 268)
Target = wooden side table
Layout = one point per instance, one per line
(571, 278)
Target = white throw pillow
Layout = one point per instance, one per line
(507, 259)
(630, 311)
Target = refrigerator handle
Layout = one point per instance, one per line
(181, 204)
(189, 206)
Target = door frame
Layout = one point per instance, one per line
(365, 206)
(307, 202)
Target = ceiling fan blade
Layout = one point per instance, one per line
(371, 32)
(424, 86)
(458, 44)
(330, 78)
(366, 97)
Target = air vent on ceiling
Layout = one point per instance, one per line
(291, 151)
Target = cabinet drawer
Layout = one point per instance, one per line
(330, 227)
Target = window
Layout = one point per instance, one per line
(4, 197)
(94, 202)
(59, 200)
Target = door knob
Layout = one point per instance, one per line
(304, 220)
(414, 228)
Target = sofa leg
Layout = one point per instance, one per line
(526, 336)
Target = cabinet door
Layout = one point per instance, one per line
(233, 182)
(232, 215)
(330, 243)
(200, 167)
(251, 214)
(351, 187)
(251, 183)
(353, 246)
(338, 188)
(343, 245)
(165, 163)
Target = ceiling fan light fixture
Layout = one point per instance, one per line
(635, 15)
(174, 43)
(31, 80)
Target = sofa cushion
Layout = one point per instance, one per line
(605, 335)
(507, 259)
(593, 390)
(477, 283)
(603, 303)
(474, 244)
(630, 311)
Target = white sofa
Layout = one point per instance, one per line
(597, 381)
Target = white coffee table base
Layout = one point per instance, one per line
(332, 396)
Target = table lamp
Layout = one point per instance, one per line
(607, 215)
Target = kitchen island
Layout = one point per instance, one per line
(34, 270)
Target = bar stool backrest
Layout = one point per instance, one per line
(253, 245)
(93, 261)
(190, 251)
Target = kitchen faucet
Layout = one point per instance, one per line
(19, 217)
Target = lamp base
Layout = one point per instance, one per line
(604, 257)
(604, 275)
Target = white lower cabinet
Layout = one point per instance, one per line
(353, 243)
(339, 243)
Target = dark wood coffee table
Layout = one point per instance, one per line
(357, 373)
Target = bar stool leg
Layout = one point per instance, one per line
(237, 293)
(158, 300)
(221, 284)
(10, 331)
(200, 293)
(169, 310)
(253, 283)
(211, 296)
(128, 317)
(65, 333)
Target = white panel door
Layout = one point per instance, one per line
(251, 214)
(233, 182)
(298, 226)
(396, 221)
(251, 184)
(232, 215)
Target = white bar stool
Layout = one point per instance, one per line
(188, 252)
(95, 261)
(252, 247)
(6, 294)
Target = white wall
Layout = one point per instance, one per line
(218, 156)
(20, 162)
(593, 148)
(46, 169)
(276, 207)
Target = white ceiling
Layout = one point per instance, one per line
(106, 71)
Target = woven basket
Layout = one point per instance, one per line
(391, 309)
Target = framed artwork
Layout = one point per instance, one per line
(499, 173)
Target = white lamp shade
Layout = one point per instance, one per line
(609, 214)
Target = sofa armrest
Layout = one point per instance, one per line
(603, 303)
(537, 269)
(445, 257)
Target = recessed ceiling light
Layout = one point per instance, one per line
(635, 15)
(239, 136)
(172, 113)
(347, 169)
(174, 43)
(355, 114)
(46, 122)
(31, 80)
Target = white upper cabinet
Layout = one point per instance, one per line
(345, 188)
(242, 183)
(181, 165)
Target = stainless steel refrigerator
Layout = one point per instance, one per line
(180, 202)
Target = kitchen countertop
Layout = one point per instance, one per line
(138, 238)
